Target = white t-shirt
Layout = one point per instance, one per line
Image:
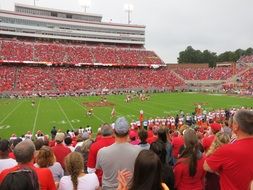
(87, 182)
(7, 163)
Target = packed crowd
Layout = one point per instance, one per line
(218, 73)
(211, 153)
(246, 59)
(59, 53)
(247, 78)
(62, 79)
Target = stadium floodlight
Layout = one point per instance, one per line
(129, 9)
(34, 2)
(85, 4)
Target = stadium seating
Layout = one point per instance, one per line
(246, 59)
(219, 73)
(72, 79)
(17, 50)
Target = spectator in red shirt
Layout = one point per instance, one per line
(208, 140)
(24, 153)
(106, 139)
(60, 151)
(188, 171)
(177, 142)
(233, 162)
(213, 180)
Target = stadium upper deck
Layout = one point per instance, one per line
(37, 22)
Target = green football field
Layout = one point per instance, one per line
(19, 116)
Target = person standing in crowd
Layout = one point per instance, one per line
(77, 178)
(143, 135)
(233, 162)
(106, 139)
(24, 153)
(53, 132)
(60, 150)
(24, 179)
(5, 160)
(213, 180)
(167, 171)
(120, 155)
(46, 159)
(162, 136)
(147, 173)
(188, 171)
(208, 140)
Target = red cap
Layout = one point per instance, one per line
(216, 127)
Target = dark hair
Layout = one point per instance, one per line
(162, 134)
(244, 118)
(143, 135)
(38, 143)
(68, 140)
(191, 150)
(147, 172)
(16, 141)
(159, 148)
(24, 179)
(24, 151)
(4, 146)
(121, 135)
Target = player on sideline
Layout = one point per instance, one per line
(33, 103)
(113, 113)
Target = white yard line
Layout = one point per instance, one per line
(36, 117)
(98, 118)
(10, 112)
(64, 114)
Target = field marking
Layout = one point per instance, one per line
(64, 114)
(10, 113)
(36, 117)
(86, 110)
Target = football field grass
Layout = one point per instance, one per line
(19, 116)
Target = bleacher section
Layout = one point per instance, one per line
(60, 53)
(72, 79)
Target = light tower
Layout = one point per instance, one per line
(129, 9)
(34, 2)
(85, 4)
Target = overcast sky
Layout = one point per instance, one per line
(172, 25)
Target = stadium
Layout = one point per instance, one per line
(74, 72)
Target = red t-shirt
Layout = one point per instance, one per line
(183, 180)
(177, 143)
(207, 141)
(152, 139)
(45, 177)
(234, 164)
(60, 152)
(95, 147)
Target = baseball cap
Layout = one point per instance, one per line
(121, 126)
(216, 127)
(59, 137)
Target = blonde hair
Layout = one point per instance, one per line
(74, 165)
(220, 139)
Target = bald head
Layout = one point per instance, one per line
(244, 119)
(24, 151)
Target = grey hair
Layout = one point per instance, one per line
(106, 130)
(24, 151)
(244, 118)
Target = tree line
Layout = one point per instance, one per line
(190, 55)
